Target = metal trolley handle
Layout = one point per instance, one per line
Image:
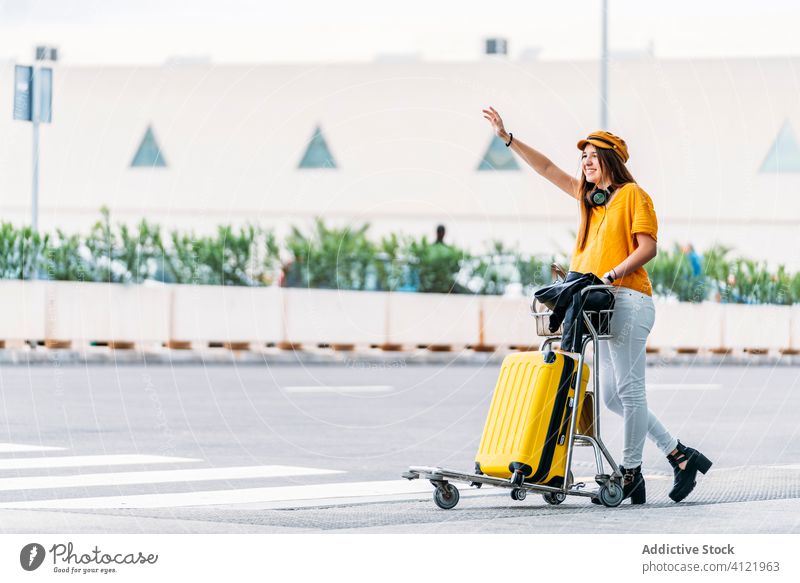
(593, 338)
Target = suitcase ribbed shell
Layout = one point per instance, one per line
(528, 417)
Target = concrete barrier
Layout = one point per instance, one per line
(315, 316)
(22, 310)
(757, 327)
(508, 322)
(228, 314)
(433, 319)
(80, 311)
(74, 311)
(794, 330)
(685, 325)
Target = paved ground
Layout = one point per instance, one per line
(254, 448)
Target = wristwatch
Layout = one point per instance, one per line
(607, 275)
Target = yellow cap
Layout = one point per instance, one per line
(607, 141)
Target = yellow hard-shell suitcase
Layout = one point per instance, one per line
(526, 429)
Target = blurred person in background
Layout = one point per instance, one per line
(695, 260)
(440, 235)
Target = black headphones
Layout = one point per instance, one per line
(600, 196)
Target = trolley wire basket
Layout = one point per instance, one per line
(599, 319)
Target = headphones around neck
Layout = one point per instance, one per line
(600, 197)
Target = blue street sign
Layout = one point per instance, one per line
(23, 94)
(23, 79)
(46, 93)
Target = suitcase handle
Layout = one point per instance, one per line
(562, 435)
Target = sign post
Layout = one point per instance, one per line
(33, 99)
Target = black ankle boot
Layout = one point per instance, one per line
(633, 484)
(685, 479)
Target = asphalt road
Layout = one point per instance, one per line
(323, 447)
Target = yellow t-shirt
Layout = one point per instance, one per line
(611, 236)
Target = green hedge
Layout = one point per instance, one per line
(348, 258)
(721, 278)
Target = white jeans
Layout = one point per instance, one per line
(622, 370)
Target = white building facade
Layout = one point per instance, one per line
(404, 147)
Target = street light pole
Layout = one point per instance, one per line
(604, 70)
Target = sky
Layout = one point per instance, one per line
(230, 31)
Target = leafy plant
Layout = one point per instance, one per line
(392, 269)
(103, 250)
(491, 272)
(118, 255)
(534, 272)
(750, 282)
(138, 250)
(345, 258)
(437, 266)
(230, 255)
(671, 275)
(245, 257)
(21, 252)
(64, 259)
(330, 258)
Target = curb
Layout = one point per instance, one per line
(103, 356)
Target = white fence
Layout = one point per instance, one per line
(61, 313)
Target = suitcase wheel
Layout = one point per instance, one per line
(610, 494)
(518, 493)
(446, 496)
(554, 498)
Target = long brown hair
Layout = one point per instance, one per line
(611, 166)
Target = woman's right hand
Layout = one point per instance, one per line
(497, 123)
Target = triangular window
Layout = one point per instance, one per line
(784, 155)
(149, 153)
(317, 154)
(498, 157)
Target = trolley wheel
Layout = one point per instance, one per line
(446, 496)
(518, 478)
(554, 498)
(610, 494)
(518, 494)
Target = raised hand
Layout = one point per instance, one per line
(496, 121)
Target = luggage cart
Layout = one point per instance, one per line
(609, 491)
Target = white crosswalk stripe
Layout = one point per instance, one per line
(185, 477)
(263, 497)
(22, 448)
(79, 461)
(158, 477)
(272, 497)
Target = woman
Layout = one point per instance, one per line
(616, 237)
